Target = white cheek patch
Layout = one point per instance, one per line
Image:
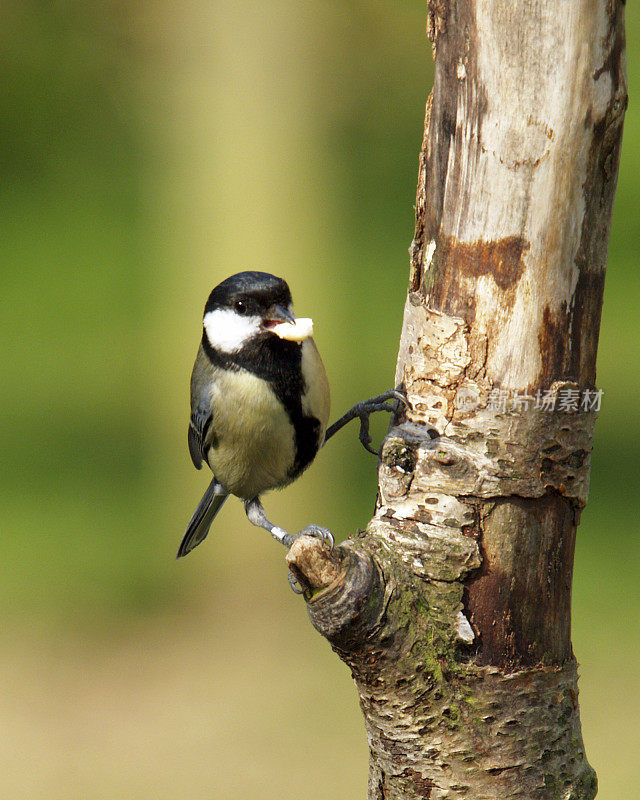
(296, 331)
(228, 331)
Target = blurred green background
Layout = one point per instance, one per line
(148, 150)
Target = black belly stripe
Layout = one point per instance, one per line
(279, 362)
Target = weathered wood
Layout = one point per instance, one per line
(453, 608)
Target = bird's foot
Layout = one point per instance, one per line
(363, 411)
(326, 537)
(316, 531)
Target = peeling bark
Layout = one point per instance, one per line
(453, 608)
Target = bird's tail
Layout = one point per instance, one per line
(204, 515)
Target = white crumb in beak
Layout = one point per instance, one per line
(296, 331)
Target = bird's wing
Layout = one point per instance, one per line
(200, 434)
(199, 425)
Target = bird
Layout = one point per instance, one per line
(260, 400)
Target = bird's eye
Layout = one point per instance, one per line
(240, 307)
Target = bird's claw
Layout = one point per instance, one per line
(298, 586)
(365, 408)
(295, 585)
(324, 534)
(316, 531)
(363, 411)
(379, 403)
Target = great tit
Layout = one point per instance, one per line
(259, 399)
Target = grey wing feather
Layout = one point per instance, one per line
(199, 425)
(198, 429)
(205, 513)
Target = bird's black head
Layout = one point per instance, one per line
(249, 308)
(249, 293)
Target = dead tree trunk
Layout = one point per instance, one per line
(453, 608)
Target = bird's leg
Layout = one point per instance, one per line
(257, 516)
(363, 411)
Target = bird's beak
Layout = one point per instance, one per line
(283, 323)
(281, 314)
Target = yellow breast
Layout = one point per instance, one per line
(254, 445)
